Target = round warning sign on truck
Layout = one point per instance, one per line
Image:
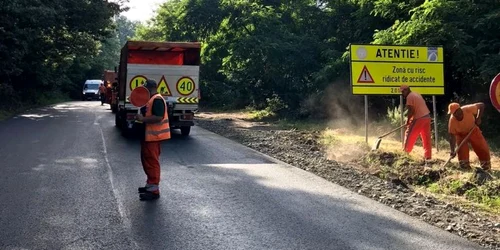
(495, 92)
(185, 86)
(137, 81)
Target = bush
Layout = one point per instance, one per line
(394, 115)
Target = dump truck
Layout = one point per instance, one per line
(175, 66)
(109, 78)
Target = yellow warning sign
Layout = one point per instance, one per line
(381, 69)
(365, 76)
(185, 86)
(163, 88)
(137, 81)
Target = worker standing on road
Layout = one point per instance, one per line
(102, 93)
(462, 121)
(156, 129)
(418, 122)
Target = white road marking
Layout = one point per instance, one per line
(116, 194)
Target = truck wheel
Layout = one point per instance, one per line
(185, 130)
(126, 132)
(118, 122)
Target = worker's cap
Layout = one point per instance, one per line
(150, 84)
(453, 107)
(403, 87)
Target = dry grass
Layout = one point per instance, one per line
(341, 137)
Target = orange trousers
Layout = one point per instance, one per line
(419, 127)
(479, 145)
(150, 158)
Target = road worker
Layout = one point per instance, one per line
(156, 129)
(102, 93)
(418, 122)
(462, 121)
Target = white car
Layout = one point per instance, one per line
(91, 90)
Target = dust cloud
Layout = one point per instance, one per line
(346, 152)
(345, 116)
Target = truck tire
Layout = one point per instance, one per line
(185, 130)
(117, 121)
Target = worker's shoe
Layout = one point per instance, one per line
(464, 165)
(486, 165)
(145, 188)
(148, 196)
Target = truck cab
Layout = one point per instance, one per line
(175, 68)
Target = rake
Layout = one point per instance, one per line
(379, 139)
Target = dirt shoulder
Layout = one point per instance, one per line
(388, 177)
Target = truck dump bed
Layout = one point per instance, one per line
(174, 66)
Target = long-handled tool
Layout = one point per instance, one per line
(459, 146)
(379, 139)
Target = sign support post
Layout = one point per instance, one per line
(401, 108)
(366, 118)
(435, 122)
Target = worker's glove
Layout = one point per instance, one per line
(453, 154)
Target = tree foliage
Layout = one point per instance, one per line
(296, 51)
(291, 55)
(49, 48)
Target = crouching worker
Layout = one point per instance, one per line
(156, 129)
(462, 121)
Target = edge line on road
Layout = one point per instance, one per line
(118, 198)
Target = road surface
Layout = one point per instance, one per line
(69, 181)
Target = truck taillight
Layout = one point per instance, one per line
(131, 116)
(187, 117)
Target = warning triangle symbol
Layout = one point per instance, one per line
(365, 76)
(163, 88)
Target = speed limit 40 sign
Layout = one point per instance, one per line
(185, 86)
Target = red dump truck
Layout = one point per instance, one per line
(174, 66)
(110, 79)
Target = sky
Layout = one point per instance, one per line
(141, 10)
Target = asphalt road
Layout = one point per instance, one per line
(69, 181)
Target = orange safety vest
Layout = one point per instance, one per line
(102, 89)
(157, 131)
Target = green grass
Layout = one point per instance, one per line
(303, 125)
(486, 197)
(259, 115)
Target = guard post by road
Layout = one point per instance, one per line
(380, 70)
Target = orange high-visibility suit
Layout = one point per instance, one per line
(102, 93)
(460, 129)
(150, 144)
(418, 124)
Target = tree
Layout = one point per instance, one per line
(43, 42)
